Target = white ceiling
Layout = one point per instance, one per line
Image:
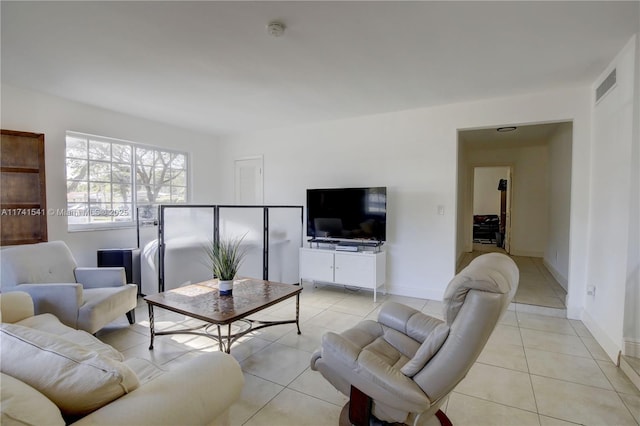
(211, 67)
(522, 136)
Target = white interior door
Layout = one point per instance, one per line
(249, 180)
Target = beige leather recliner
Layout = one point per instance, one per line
(408, 362)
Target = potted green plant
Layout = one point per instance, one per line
(225, 257)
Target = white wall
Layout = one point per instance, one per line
(30, 111)
(556, 253)
(631, 331)
(610, 206)
(486, 197)
(529, 194)
(414, 154)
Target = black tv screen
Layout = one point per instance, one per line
(347, 213)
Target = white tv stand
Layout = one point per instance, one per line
(364, 269)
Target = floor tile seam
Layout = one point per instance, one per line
(613, 391)
(309, 395)
(596, 342)
(628, 409)
(552, 332)
(358, 315)
(526, 360)
(546, 331)
(611, 382)
(266, 403)
(561, 353)
(595, 360)
(496, 402)
(502, 367)
(297, 348)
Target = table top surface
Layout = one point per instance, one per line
(202, 300)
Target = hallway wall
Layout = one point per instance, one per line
(556, 252)
(530, 198)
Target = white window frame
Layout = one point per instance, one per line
(94, 226)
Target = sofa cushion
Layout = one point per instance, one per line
(23, 405)
(78, 380)
(50, 324)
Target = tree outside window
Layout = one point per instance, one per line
(108, 179)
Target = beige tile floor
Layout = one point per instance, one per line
(537, 286)
(535, 370)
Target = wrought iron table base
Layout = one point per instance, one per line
(225, 341)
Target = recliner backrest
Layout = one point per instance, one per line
(50, 262)
(475, 300)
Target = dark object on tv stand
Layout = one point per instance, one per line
(357, 243)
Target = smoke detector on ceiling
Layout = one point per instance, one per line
(275, 29)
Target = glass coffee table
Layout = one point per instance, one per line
(202, 301)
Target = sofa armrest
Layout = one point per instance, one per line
(15, 306)
(195, 393)
(60, 299)
(101, 277)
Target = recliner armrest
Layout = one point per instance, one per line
(60, 299)
(392, 380)
(396, 315)
(341, 348)
(100, 277)
(407, 320)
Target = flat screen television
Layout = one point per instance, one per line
(347, 213)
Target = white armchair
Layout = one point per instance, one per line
(82, 298)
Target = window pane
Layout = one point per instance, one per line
(77, 191)
(121, 173)
(115, 177)
(142, 194)
(100, 193)
(178, 177)
(178, 194)
(161, 176)
(121, 193)
(99, 171)
(100, 213)
(123, 212)
(76, 147)
(121, 153)
(144, 156)
(76, 169)
(163, 158)
(77, 213)
(178, 161)
(99, 150)
(144, 174)
(164, 195)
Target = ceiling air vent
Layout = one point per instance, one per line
(606, 85)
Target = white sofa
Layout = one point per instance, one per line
(55, 375)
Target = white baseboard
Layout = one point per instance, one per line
(516, 252)
(632, 348)
(602, 338)
(422, 293)
(561, 279)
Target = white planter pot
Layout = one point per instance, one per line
(225, 287)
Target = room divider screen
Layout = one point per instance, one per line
(271, 236)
